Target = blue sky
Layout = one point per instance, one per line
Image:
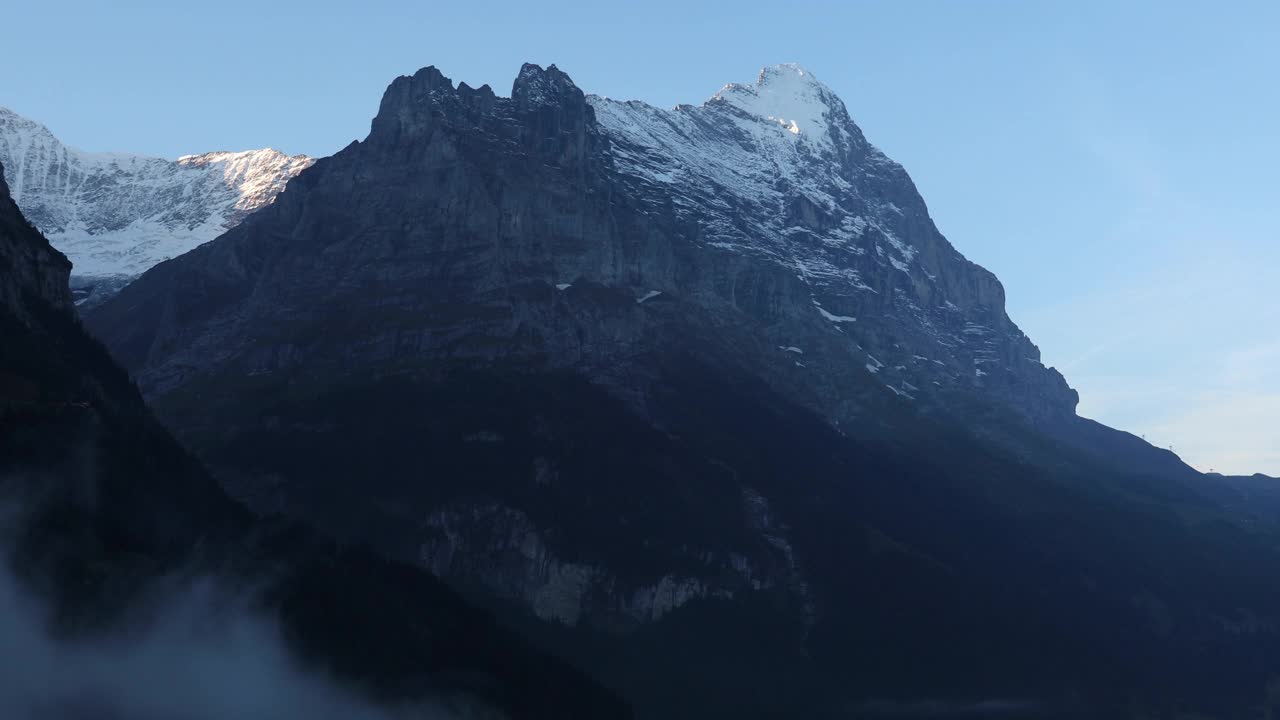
(1115, 166)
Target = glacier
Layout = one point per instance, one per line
(115, 215)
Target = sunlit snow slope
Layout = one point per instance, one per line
(115, 214)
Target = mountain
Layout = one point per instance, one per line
(104, 513)
(778, 173)
(702, 398)
(115, 214)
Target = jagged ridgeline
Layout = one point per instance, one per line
(102, 511)
(701, 398)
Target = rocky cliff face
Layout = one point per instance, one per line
(508, 553)
(30, 269)
(115, 214)
(106, 516)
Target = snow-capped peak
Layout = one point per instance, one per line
(777, 170)
(257, 175)
(790, 96)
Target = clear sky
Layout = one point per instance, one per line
(1114, 163)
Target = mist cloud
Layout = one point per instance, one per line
(200, 654)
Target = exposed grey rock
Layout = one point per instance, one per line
(502, 550)
(29, 266)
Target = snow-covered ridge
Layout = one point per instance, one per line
(777, 170)
(116, 214)
(793, 98)
(748, 152)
